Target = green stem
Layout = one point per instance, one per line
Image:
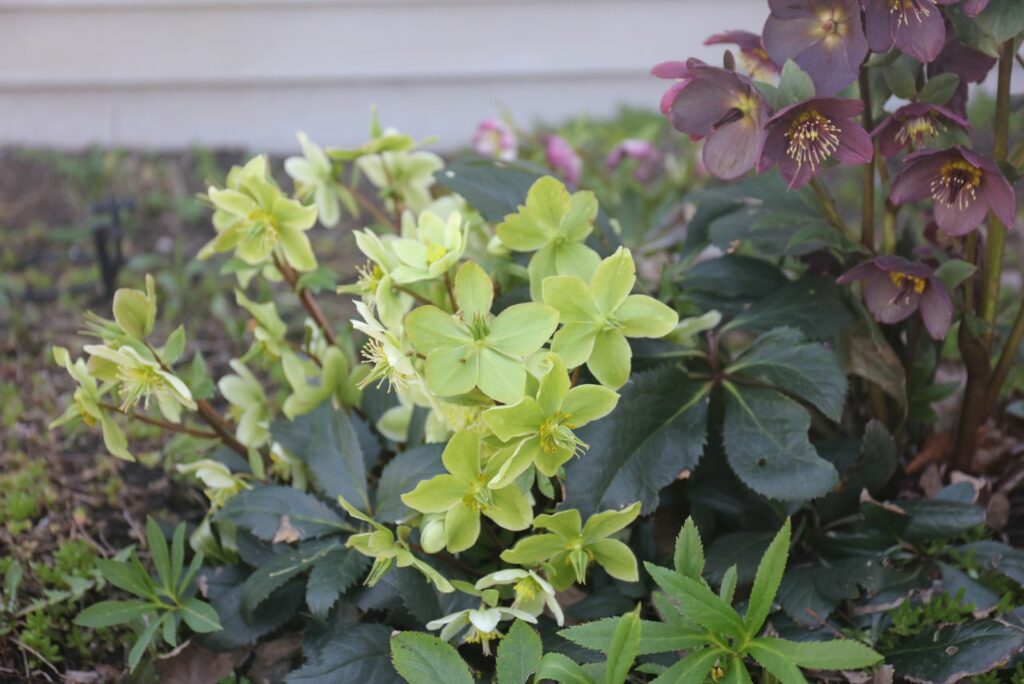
(1006, 359)
(831, 212)
(867, 226)
(994, 245)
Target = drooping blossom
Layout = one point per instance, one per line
(894, 288)
(562, 158)
(671, 71)
(969, 64)
(728, 110)
(753, 56)
(802, 137)
(964, 185)
(912, 125)
(495, 138)
(646, 155)
(916, 27)
(824, 37)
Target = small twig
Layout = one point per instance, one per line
(449, 559)
(451, 291)
(170, 427)
(576, 375)
(306, 298)
(415, 295)
(367, 204)
(831, 212)
(38, 655)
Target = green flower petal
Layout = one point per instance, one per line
(500, 377)
(606, 523)
(610, 359)
(461, 527)
(461, 457)
(534, 549)
(613, 280)
(541, 267)
(566, 524)
(588, 403)
(297, 249)
(510, 508)
(453, 371)
(522, 329)
(643, 316)
(574, 343)
(572, 298)
(616, 558)
(516, 420)
(437, 494)
(429, 328)
(554, 387)
(548, 462)
(474, 291)
(576, 259)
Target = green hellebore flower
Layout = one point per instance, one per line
(337, 382)
(86, 406)
(135, 311)
(402, 175)
(568, 547)
(376, 284)
(599, 316)
(249, 405)
(475, 349)
(533, 592)
(255, 219)
(554, 224)
(464, 493)
(541, 428)
(219, 483)
(388, 548)
(314, 176)
(387, 353)
(139, 379)
(482, 622)
(269, 332)
(428, 247)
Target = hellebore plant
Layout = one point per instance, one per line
(495, 138)
(915, 26)
(913, 125)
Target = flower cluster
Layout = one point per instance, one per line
(807, 121)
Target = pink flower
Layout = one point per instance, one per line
(563, 159)
(495, 138)
(677, 71)
(646, 155)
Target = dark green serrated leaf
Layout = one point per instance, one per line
(401, 475)
(265, 510)
(864, 352)
(325, 440)
(815, 305)
(996, 557)
(784, 359)
(955, 580)
(331, 577)
(281, 568)
(732, 282)
(765, 438)
(742, 549)
(494, 188)
(225, 587)
(519, 654)
(932, 520)
(950, 654)
(865, 465)
(359, 653)
(655, 434)
(689, 552)
(424, 659)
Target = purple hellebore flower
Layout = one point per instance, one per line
(915, 26)
(802, 137)
(753, 56)
(912, 124)
(824, 37)
(894, 288)
(645, 153)
(963, 184)
(563, 159)
(728, 110)
(495, 138)
(676, 71)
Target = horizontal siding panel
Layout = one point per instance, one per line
(189, 47)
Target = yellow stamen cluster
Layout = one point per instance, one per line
(917, 129)
(526, 588)
(556, 433)
(904, 8)
(138, 382)
(901, 280)
(957, 184)
(813, 138)
(265, 230)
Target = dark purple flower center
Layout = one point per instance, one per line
(908, 286)
(917, 129)
(813, 138)
(905, 9)
(957, 184)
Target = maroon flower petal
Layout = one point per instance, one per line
(975, 7)
(913, 183)
(897, 264)
(833, 66)
(936, 309)
(731, 151)
(878, 25)
(923, 36)
(854, 145)
(886, 134)
(998, 194)
(880, 295)
(858, 272)
(786, 37)
(701, 104)
(670, 70)
(954, 220)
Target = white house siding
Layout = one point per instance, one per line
(172, 73)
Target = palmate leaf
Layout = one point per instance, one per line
(765, 438)
(424, 659)
(656, 433)
(782, 358)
